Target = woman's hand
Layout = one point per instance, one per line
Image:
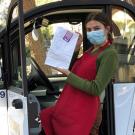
(64, 71)
(79, 42)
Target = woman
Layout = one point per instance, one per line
(76, 109)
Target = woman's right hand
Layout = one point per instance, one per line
(79, 42)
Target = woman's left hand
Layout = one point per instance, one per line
(79, 42)
(64, 71)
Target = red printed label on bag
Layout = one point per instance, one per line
(68, 36)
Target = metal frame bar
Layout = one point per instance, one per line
(22, 47)
(20, 19)
(7, 76)
(110, 109)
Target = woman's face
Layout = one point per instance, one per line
(97, 33)
(94, 25)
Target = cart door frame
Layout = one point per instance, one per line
(18, 122)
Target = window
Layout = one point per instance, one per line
(125, 44)
(36, 49)
(39, 54)
(16, 65)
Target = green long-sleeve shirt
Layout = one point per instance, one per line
(106, 65)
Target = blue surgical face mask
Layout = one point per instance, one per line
(97, 37)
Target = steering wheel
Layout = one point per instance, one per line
(38, 77)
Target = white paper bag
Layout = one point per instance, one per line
(62, 48)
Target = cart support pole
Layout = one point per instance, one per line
(22, 47)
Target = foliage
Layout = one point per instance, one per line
(41, 2)
(3, 11)
(47, 32)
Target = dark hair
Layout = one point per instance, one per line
(102, 18)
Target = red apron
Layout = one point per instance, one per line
(75, 111)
